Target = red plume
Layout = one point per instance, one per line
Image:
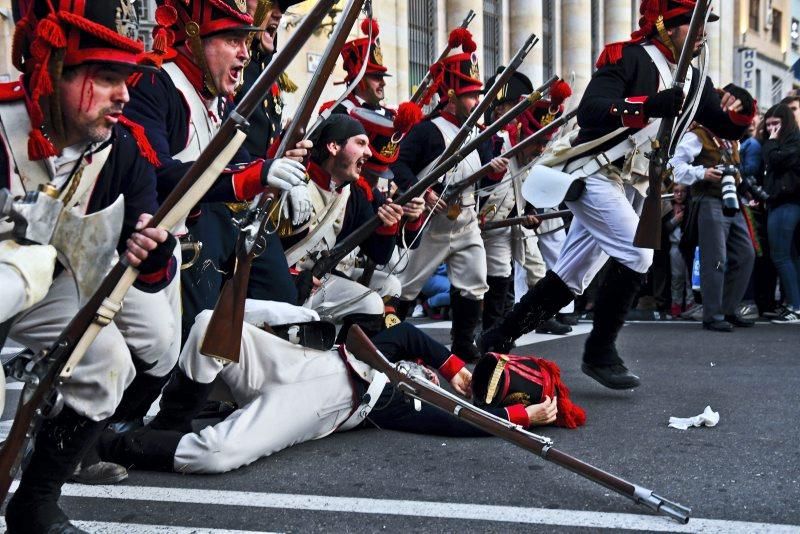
(408, 114)
(469, 46)
(367, 23)
(569, 415)
(458, 37)
(559, 91)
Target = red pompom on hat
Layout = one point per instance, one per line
(408, 115)
(458, 72)
(354, 53)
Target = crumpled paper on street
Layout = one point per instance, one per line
(708, 418)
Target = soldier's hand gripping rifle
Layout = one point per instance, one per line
(648, 233)
(223, 336)
(492, 225)
(426, 80)
(416, 387)
(48, 368)
(454, 191)
(326, 261)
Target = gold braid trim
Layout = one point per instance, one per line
(196, 46)
(286, 84)
(665, 38)
(495, 380)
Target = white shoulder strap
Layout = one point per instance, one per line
(15, 127)
(322, 223)
(201, 128)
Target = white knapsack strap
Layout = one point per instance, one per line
(15, 127)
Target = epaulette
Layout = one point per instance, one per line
(326, 105)
(11, 91)
(145, 148)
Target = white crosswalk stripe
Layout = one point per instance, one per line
(441, 510)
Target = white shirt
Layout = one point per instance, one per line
(687, 150)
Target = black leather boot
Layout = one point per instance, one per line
(614, 298)
(540, 303)
(143, 448)
(403, 307)
(181, 401)
(60, 444)
(370, 324)
(466, 316)
(494, 301)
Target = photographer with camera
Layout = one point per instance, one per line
(781, 153)
(708, 165)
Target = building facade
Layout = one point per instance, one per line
(755, 44)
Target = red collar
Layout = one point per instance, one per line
(664, 50)
(320, 176)
(449, 117)
(192, 73)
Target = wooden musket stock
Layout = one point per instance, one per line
(224, 333)
(492, 225)
(648, 233)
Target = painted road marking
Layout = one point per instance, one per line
(443, 510)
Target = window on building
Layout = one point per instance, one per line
(755, 9)
(548, 38)
(794, 34)
(777, 25)
(492, 36)
(776, 88)
(758, 84)
(421, 38)
(147, 10)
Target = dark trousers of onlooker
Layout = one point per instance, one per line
(783, 222)
(765, 277)
(726, 259)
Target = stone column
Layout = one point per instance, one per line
(576, 43)
(617, 21)
(456, 11)
(526, 17)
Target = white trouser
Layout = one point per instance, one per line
(497, 244)
(287, 394)
(14, 292)
(550, 246)
(338, 297)
(528, 274)
(457, 243)
(604, 225)
(382, 283)
(146, 326)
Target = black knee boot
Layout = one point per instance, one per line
(402, 308)
(494, 301)
(540, 303)
(181, 401)
(614, 298)
(143, 448)
(60, 444)
(466, 316)
(130, 413)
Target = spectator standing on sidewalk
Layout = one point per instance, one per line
(781, 153)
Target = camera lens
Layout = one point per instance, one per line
(730, 201)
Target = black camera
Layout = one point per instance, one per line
(750, 186)
(730, 199)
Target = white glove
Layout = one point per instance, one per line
(288, 175)
(34, 264)
(301, 204)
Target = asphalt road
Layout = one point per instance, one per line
(739, 476)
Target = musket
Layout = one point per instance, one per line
(648, 233)
(454, 191)
(325, 261)
(49, 367)
(410, 384)
(224, 333)
(512, 221)
(425, 82)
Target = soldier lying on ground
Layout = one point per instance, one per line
(338, 393)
